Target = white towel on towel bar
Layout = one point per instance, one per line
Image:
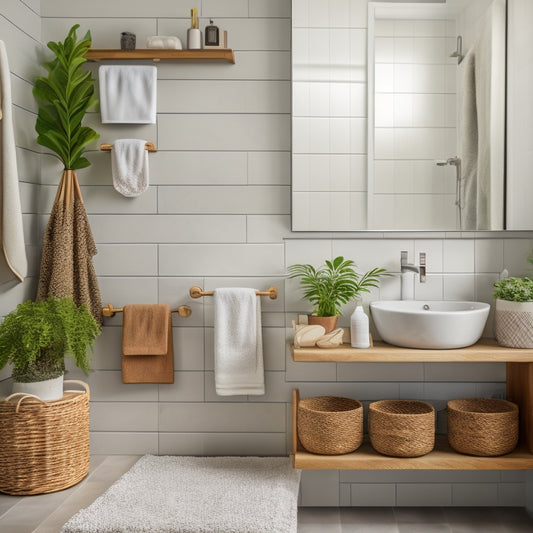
(128, 94)
(239, 366)
(129, 165)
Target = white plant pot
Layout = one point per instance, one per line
(48, 390)
(513, 324)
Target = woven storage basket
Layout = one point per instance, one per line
(401, 428)
(330, 425)
(482, 426)
(513, 324)
(44, 446)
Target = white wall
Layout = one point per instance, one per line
(217, 213)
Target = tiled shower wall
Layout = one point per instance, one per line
(217, 213)
(415, 124)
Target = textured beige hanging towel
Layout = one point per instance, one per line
(147, 344)
(68, 248)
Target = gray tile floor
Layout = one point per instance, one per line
(46, 513)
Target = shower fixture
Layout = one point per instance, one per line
(456, 162)
(451, 161)
(459, 50)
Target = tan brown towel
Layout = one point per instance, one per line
(147, 344)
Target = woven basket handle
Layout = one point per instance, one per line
(24, 396)
(78, 382)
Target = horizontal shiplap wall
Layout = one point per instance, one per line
(20, 29)
(219, 182)
(217, 214)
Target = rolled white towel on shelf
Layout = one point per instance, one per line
(164, 41)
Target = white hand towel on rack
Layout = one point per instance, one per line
(129, 165)
(238, 342)
(128, 94)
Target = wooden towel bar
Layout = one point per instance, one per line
(148, 146)
(182, 310)
(197, 292)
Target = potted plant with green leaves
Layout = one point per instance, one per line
(36, 337)
(332, 285)
(513, 318)
(64, 97)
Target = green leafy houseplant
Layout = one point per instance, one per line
(514, 289)
(336, 283)
(36, 337)
(64, 97)
(513, 317)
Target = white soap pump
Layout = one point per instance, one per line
(359, 328)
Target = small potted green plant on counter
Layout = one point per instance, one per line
(332, 285)
(513, 318)
(36, 337)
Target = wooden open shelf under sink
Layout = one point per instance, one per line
(519, 365)
(443, 457)
(484, 351)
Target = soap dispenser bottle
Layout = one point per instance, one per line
(359, 328)
(212, 35)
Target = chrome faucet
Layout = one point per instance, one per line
(408, 271)
(405, 266)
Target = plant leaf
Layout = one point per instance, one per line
(64, 97)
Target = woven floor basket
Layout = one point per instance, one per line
(44, 446)
(482, 426)
(330, 425)
(401, 428)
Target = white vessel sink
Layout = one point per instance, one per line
(430, 324)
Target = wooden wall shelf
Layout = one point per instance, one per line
(158, 54)
(486, 350)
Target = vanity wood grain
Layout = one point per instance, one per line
(519, 365)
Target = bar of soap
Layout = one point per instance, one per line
(332, 339)
(306, 336)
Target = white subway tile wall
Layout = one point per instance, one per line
(217, 213)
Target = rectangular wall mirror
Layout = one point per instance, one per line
(398, 115)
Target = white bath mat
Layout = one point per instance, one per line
(195, 495)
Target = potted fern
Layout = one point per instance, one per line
(513, 318)
(36, 337)
(332, 285)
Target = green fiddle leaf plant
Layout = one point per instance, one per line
(333, 284)
(64, 97)
(36, 337)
